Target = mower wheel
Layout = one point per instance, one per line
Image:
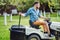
(34, 37)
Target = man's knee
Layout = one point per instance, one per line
(45, 23)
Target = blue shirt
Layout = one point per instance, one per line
(34, 14)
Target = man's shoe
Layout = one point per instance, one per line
(45, 32)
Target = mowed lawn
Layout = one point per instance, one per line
(4, 30)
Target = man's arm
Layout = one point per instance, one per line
(41, 16)
(25, 14)
(44, 17)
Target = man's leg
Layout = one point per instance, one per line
(44, 24)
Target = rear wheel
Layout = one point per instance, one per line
(34, 37)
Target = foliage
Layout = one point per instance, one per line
(54, 3)
(25, 4)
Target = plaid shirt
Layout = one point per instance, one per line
(34, 14)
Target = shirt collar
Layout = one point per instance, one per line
(34, 9)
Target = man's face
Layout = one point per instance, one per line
(38, 5)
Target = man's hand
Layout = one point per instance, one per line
(44, 17)
(20, 13)
(47, 19)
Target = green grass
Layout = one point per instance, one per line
(4, 30)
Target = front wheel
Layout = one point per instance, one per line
(34, 37)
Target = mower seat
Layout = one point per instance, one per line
(32, 25)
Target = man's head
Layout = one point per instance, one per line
(37, 5)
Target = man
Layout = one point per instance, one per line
(35, 15)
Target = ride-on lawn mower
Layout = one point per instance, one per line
(20, 32)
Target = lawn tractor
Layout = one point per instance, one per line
(32, 32)
(55, 29)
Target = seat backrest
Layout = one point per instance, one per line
(32, 25)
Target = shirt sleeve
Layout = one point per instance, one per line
(28, 12)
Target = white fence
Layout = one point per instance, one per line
(14, 11)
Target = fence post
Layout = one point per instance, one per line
(49, 14)
(11, 17)
(58, 13)
(5, 18)
(44, 14)
(41, 12)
